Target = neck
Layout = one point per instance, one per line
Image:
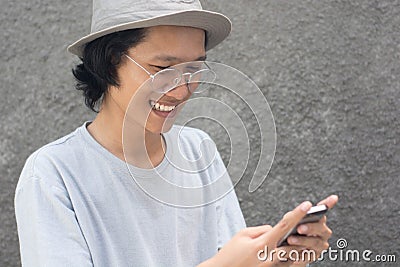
(142, 149)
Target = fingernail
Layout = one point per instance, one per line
(305, 206)
(294, 240)
(303, 229)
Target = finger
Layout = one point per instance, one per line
(288, 222)
(315, 229)
(313, 243)
(256, 231)
(329, 201)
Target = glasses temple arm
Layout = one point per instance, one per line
(134, 61)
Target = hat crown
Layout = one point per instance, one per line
(110, 16)
(108, 13)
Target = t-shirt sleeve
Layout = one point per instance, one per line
(229, 214)
(49, 233)
(230, 218)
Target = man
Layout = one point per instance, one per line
(78, 200)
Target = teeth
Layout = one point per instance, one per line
(161, 107)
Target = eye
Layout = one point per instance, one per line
(159, 67)
(193, 68)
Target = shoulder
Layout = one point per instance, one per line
(45, 162)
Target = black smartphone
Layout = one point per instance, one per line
(313, 215)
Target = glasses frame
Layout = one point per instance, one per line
(177, 80)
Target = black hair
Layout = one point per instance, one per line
(100, 60)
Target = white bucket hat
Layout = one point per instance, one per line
(111, 16)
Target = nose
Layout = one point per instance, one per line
(180, 92)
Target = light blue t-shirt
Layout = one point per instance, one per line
(77, 205)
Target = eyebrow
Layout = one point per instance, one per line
(167, 58)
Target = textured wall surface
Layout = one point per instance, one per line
(329, 69)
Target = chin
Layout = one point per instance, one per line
(159, 129)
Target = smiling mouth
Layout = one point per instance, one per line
(161, 107)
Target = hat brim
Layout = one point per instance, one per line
(216, 25)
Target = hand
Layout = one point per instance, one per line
(244, 248)
(316, 234)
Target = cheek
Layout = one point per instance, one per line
(131, 89)
(137, 104)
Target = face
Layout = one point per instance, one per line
(163, 46)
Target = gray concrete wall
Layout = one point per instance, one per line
(329, 69)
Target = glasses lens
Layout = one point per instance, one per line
(165, 80)
(201, 80)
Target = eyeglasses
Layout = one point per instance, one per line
(196, 75)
